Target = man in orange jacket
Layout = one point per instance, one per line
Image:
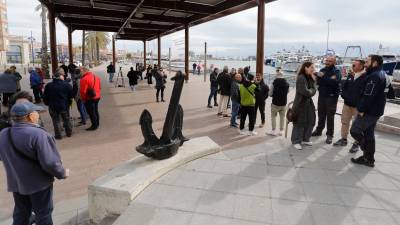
(90, 91)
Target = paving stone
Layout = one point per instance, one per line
(253, 186)
(216, 203)
(287, 212)
(372, 217)
(331, 215)
(322, 193)
(287, 190)
(357, 197)
(253, 208)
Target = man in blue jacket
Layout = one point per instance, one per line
(31, 161)
(370, 108)
(58, 96)
(36, 82)
(328, 87)
(352, 90)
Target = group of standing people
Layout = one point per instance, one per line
(364, 92)
(248, 95)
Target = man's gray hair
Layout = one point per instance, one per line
(226, 69)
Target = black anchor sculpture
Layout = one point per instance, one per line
(172, 137)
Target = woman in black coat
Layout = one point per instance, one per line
(133, 79)
(149, 75)
(304, 107)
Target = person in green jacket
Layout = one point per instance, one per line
(247, 103)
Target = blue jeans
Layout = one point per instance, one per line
(235, 112)
(111, 76)
(213, 93)
(41, 203)
(82, 111)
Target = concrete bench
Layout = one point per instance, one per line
(112, 193)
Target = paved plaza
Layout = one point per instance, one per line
(254, 180)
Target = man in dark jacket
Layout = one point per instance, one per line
(58, 96)
(65, 68)
(370, 108)
(213, 88)
(235, 96)
(352, 89)
(224, 82)
(279, 90)
(329, 87)
(31, 161)
(261, 95)
(111, 72)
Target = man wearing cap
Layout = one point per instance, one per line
(58, 96)
(31, 162)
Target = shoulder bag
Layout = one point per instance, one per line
(90, 92)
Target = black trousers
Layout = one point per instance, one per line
(326, 113)
(92, 108)
(6, 98)
(41, 203)
(158, 93)
(363, 131)
(260, 106)
(251, 112)
(37, 93)
(57, 117)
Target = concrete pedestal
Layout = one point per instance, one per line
(112, 193)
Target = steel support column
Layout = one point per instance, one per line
(70, 50)
(113, 51)
(159, 51)
(144, 55)
(53, 40)
(187, 51)
(83, 47)
(260, 37)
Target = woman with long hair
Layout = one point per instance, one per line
(304, 107)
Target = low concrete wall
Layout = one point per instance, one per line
(112, 193)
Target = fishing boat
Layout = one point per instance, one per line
(390, 61)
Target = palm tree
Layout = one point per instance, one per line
(44, 56)
(96, 41)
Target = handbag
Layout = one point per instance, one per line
(90, 92)
(291, 115)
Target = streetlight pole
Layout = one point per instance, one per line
(327, 39)
(33, 52)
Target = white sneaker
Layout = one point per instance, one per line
(307, 143)
(243, 132)
(273, 133)
(279, 133)
(297, 146)
(252, 133)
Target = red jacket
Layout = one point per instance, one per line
(90, 80)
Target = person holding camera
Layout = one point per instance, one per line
(328, 80)
(90, 92)
(31, 161)
(58, 96)
(303, 106)
(160, 77)
(111, 72)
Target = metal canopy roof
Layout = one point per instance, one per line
(142, 19)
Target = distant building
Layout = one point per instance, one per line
(18, 50)
(3, 32)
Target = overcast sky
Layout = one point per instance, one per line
(289, 24)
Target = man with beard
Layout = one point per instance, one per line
(328, 81)
(370, 108)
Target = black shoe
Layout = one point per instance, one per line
(219, 114)
(362, 161)
(209, 106)
(354, 148)
(316, 134)
(215, 104)
(342, 142)
(69, 135)
(328, 140)
(162, 100)
(91, 129)
(58, 137)
(226, 116)
(158, 100)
